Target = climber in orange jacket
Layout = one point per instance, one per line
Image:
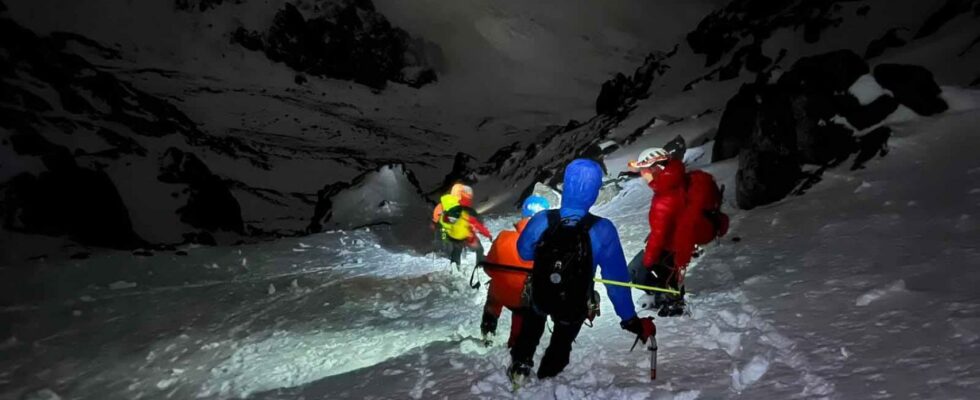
(508, 272)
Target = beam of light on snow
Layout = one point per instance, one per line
(290, 359)
(492, 202)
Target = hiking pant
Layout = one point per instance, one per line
(491, 313)
(666, 277)
(556, 355)
(457, 246)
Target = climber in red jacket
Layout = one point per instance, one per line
(684, 212)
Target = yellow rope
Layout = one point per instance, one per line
(636, 286)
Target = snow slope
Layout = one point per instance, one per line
(861, 288)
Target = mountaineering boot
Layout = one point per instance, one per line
(519, 373)
(674, 306)
(488, 328)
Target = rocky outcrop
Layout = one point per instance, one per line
(85, 146)
(210, 204)
(721, 31)
(619, 92)
(809, 115)
(464, 171)
(769, 165)
(351, 41)
(64, 200)
(737, 123)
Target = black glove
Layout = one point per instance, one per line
(642, 327)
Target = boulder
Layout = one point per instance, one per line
(913, 86)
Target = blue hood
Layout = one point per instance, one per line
(583, 178)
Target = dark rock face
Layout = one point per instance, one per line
(769, 167)
(737, 123)
(352, 42)
(890, 39)
(913, 87)
(612, 94)
(617, 93)
(210, 204)
(951, 9)
(65, 200)
(464, 171)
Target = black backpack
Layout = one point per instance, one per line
(561, 280)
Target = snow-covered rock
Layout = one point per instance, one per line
(388, 195)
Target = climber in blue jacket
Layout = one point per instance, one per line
(582, 181)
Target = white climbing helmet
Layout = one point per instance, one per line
(652, 156)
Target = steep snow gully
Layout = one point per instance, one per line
(862, 288)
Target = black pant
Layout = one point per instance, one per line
(457, 246)
(665, 277)
(556, 356)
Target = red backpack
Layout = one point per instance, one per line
(704, 198)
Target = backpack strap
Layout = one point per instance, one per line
(554, 218)
(588, 221)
